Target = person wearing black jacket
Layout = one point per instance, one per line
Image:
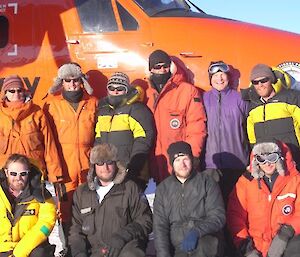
(110, 217)
(188, 210)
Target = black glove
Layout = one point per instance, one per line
(115, 245)
(247, 248)
(280, 241)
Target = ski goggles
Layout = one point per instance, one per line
(105, 162)
(264, 158)
(21, 173)
(219, 66)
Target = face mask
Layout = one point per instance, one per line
(116, 100)
(159, 80)
(73, 96)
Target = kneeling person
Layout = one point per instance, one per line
(109, 215)
(188, 209)
(27, 211)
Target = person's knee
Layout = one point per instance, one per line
(211, 246)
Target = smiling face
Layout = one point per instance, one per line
(105, 172)
(264, 87)
(219, 80)
(17, 176)
(182, 167)
(15, 95)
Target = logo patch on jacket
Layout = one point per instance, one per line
(29, 212)
(287, 209)
(175, 123)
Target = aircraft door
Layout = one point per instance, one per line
(112, 39)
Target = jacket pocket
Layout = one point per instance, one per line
(3, 143)
(286, 205)
(176, 125)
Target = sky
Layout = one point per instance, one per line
(277, 14)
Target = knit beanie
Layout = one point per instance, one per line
(69, 70)
(10, 82)
(262, 70)
(158, 56)
(119, 79)
(177, 149)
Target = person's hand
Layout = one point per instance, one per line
(247, 248)
(280, 241)
(115, 246)
(190, 241)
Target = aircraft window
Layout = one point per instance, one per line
(154, 7)
(128, 22)
(3, 31)
(96, 15)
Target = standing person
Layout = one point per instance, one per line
(27, 210)
(71, 112)
(110, 217)
(127, 124)
(178, 110)
(274, 109)
(24, 129)
(264, 208)
(226, 151)
(188, 210)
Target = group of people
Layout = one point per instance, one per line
(100, 154)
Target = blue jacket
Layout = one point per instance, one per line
(226, 144)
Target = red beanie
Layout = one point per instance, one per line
(13, 81)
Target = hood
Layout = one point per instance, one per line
(285, 165)
(36, 183)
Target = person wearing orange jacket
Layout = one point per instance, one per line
(264, 208)
(71, 109)
(24, 129)
(178, 110)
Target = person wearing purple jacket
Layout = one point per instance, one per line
(226, 152)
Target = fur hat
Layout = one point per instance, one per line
(178, 149)
(66, 71)
(262, 70)
(158, 56)
(104, 152)
(266, 148)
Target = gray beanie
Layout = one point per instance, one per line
(262, 70)
(66, 71)
(266, 148)
(119, 79)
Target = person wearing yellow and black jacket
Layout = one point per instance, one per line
(274, 112)
(27, 211)
(127, 123)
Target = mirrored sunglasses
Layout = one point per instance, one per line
(104, 162)
(12, 91)
(264, 158)
(263, 80)
(158, 66)
(74, 80)
(119, 88)
(21, 173)
(215, 67)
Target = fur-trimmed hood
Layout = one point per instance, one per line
(284, 164)
(104, 152)
(66, 71)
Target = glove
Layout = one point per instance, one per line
(190, 241)
(115, 246)
(113, 252)
(247, 248)
(253, 253)
(280, 241)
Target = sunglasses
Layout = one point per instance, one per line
(264, 80)
(158, 66)
(12, 91)
(119, 88)
(21, 173)
(74, 80)
(105, 162)
(219, 66)
(264, 158)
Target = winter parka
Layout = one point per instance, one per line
(26, 221)
(179, 207)
(253, 211)
(123, 212)
(179, 115)
(26, 130)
